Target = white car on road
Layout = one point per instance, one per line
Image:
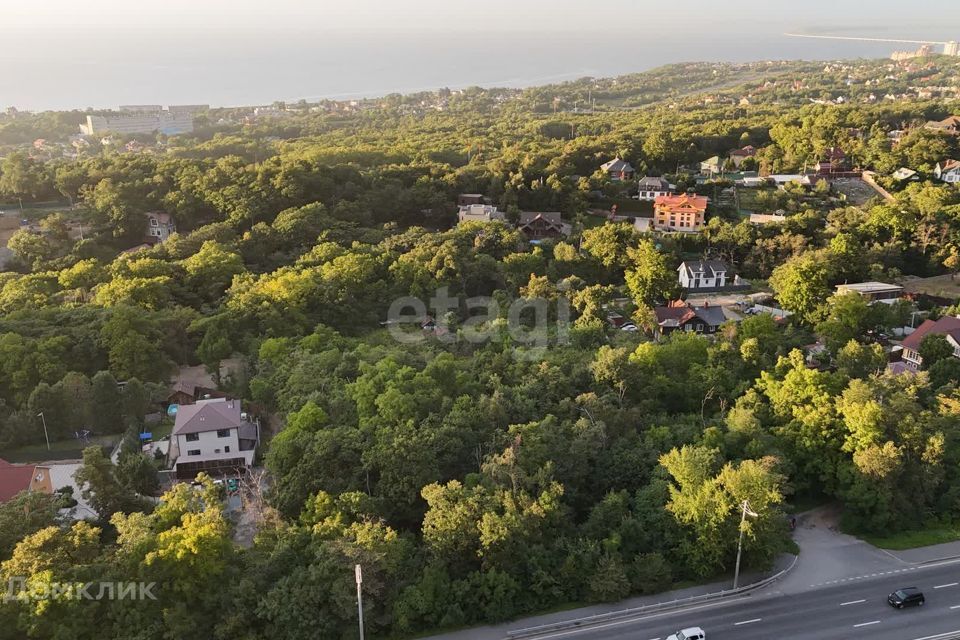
(693, 633)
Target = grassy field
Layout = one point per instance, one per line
(936, 533)
(59, 450)
(944, 286)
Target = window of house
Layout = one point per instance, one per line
(193, 437)
(193, 452)
(226, 449)
(223, 433)
(153, 222)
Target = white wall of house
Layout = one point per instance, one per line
(699, 280)
(209, 445)
(651, 195)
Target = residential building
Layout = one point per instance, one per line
(467, 199)
(159, 226)
(948, 171)
(711, 166)
(684, 212)
(16, 478)
(214, 436)
(947, 326)
(703, 274)
(618, 170)
(479, 213)
(834, 160)
(143, 119)
(737, 156)
(905, 174)
(949, 126)
(538, 225)
(680, 315)
(873, 291)
(651, 188)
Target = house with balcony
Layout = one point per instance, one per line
(684, 213)
(650, 188)
(214, 436)
(543, 225)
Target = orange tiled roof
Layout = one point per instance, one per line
(683, 201)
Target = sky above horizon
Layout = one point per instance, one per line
(69, 54)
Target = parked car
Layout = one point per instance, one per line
(691, 633)
(906, 597)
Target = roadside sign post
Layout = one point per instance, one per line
(745, 511)
(359, 576)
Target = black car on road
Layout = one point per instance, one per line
(906, 597)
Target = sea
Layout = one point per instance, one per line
(77, 71)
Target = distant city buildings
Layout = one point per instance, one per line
(131, 119)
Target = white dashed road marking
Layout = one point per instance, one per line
(944, 586)
(737, 624)
(843, 604)
(866, 624)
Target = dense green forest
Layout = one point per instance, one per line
(474, 480)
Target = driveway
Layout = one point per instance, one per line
(828, 556)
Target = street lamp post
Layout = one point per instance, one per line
(45, 434)
(359, 577)
(744, 512)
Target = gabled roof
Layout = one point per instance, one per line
(949, 165)
(708, 267)
(652, 183)
(746, 152)
(208, 415)
(713, 160)
(945, 326)
(551, 217)
(682, 202)
(14, 478)
(617, 165)
(677, 313)
(161, 216)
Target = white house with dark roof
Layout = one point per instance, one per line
(948, 171)
(703, 274)
(651, 187)
(214, 436)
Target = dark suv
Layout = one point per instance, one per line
(906, 597)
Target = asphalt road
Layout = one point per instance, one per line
(848, 610)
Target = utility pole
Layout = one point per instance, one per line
(45, 435)
(745, 511)
(359, 576)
